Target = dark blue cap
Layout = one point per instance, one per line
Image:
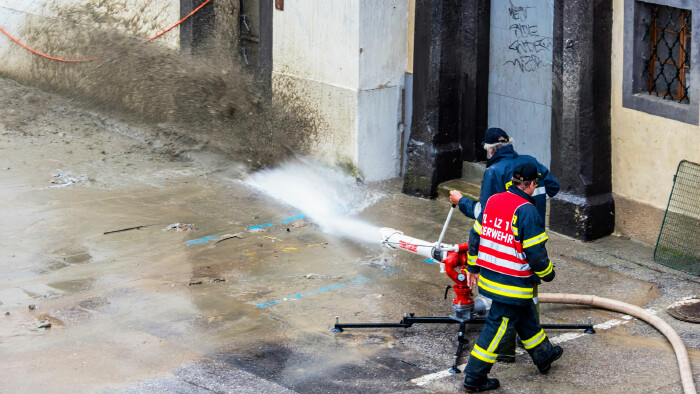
(494, 135)
(525, 172)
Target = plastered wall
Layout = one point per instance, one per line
(520, 74)
(345, 61)
(646, 149)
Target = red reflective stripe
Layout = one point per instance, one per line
(503, 270)
(501, 255)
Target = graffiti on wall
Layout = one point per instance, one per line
(525, 51)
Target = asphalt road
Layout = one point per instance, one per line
(148, 310)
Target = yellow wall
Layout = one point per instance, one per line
(646, 149)
(411, 34)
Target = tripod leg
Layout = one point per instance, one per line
(461, 341)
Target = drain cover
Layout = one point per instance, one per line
(687, 309)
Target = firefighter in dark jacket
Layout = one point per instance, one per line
(507, 259)
(499, 170)
(503, 159)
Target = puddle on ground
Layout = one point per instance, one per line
(74, 285)
(45, 263)
(94, 303)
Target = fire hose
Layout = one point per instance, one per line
(93, 59)
(623, 307)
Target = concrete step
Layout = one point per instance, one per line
(470, 183)
(468, 189)
(473, 172)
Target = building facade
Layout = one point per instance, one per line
(618, 85)
(598, 90)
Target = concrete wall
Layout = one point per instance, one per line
(646, 150)
(520, 78)
(345, 60)
(24, 18)
(383, 32)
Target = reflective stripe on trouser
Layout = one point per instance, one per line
(521, 319)
(487, 354)
(508, 345)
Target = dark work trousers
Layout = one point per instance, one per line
(507, 347)
(501, 322)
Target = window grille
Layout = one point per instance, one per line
(667, 65)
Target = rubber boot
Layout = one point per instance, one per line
(544, 354)
(544, 368)
(475, 386)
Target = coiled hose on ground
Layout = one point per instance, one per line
(657, 322)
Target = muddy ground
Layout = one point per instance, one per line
(148, 310)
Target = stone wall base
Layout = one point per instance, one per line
(584, 218)
(637, 220)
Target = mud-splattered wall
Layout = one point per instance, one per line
(68, 21)
(208, 93)
(128, 73)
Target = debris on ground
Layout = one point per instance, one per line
(7, 313)
(257, 230)
(381, 264)
(324, 277)
(199, 281)
(179, 227)
(298, 224)
(44, 324)
(128, 229)
(229, 236)
(32, 307)
(63, 180)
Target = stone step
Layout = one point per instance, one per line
(470, 183)
(473, 172)
(468, 189)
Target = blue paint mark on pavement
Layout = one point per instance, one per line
(325, 289)
(293, 218)
(259, 226)
(202, 240)
(264, 225)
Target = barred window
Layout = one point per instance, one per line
(666, 65)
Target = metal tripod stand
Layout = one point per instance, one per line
(458, 318)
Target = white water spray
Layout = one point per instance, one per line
(327, 196)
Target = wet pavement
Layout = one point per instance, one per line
(148, 310)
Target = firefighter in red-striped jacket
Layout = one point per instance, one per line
(507, 257)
